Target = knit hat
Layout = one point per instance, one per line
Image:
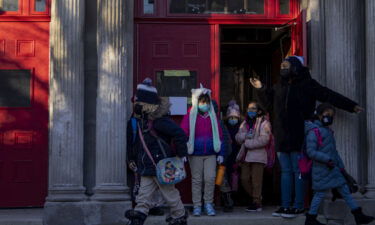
(147, 93)
(233, 109)
(296, 62)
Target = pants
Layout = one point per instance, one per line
(203, 169)
(252, 180)
(291, 175)
(149, 185)
(319, 197)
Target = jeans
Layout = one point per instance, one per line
(319, 197)
(290, 175)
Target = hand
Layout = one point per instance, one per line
(220, 159)
(256, 83)
(133, 166)
(358, 109)
(330, 164)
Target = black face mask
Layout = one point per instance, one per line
(285, 73)
(327, 120)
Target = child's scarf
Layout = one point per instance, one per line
(193, 119)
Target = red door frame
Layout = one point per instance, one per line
(272, 17)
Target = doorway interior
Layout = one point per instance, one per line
(245, 52)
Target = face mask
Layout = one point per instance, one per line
(327, 120)
(204, 108)
(285, 73)
(233, 121)
(252, 115)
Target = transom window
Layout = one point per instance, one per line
(9, 5)
(217, 6)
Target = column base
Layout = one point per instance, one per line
(339, 213)
(370, 192)
(111, 193)
(63, 194)
(85, 213)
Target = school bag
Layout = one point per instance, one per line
(170, 170)
(304, 161)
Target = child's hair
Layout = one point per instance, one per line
(261, 110)
(204, 98)
(324, 107)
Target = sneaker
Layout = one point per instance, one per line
(254, 208)
(292, 213)
(197, 211)
(280, 211)
(209, 208)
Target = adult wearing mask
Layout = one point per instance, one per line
(293, 101)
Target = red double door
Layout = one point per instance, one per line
(24, 77)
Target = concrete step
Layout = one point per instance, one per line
(238, 217)
(21, 217)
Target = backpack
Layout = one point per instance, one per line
(304, 161)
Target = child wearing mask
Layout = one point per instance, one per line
(204, 147)
(327, 165)
(232, 125)
(254, 135)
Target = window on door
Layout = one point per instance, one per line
(40, 5)
(284, 6)
(217, 6)
(9, 5)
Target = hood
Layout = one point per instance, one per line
(162, 110)
(309, 125)
(195, 93)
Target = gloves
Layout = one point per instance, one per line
(220, 159)
(330, 164)
(184, 159)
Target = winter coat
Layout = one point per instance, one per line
(166, 129)
(293, 103)
(203, 144)
(323, 178)
(255, 146)
(231, 157)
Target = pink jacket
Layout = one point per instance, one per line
(255, 146)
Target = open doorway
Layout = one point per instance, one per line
(252, 52)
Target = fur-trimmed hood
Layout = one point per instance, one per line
(162, 110)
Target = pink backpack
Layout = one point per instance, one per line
(304, 162)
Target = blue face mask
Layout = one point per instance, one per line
(233, 121)
(252, 115)
(204, 108)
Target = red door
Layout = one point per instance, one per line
(24, 76)
(172, 50)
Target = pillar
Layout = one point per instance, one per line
(317, 60)
(345, 70)
(66, 102)
(370, 82)
(112, 100)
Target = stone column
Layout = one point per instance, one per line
(345, 72)
(317, 60)
(370, 82)
(111, 102)
(66, 102)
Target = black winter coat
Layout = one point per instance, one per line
(168, 131)
(293, 103)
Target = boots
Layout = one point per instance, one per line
(178, 221)
(135, 218)
(361, 218)
(311, 220)
(227, 201)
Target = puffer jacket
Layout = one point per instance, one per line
(323, 178)
(166, 129)
(255, 146)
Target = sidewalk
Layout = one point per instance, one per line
(21, 216)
